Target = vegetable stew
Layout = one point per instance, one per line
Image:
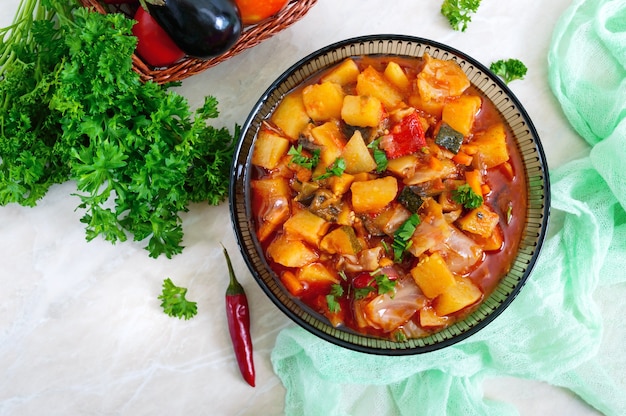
(388, 195)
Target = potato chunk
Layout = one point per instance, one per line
(331, 141)
(430, 319)
(306, 226)
(491, 145)
(290, 116)
(481, 221)
(344, 74)
(357, 155)
(373, 195)
(461, 295)
(340, 184)
(397, 76)
(317, 273)
(362, 111)
(291, 253)
(372, 83)
(269, 148)
(460, 113)
(432, 275)
(323, 101)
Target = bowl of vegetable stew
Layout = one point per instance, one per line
(390, 194)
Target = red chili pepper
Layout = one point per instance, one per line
(238, 314)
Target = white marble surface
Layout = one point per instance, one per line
(81, 330)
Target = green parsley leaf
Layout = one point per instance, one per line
(380, 157)
(509, 69)
(174, 302)
(363, 292)
(303, 160)
(466, 196)
(399, 336)
(336, 291)
(459, 12)
(335, 169)
(402, 237)
(385, 285)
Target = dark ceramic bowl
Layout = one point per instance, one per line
(529, 147)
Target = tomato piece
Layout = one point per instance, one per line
(154, 45)
(255, 11)
(406, 137)
(362, 280)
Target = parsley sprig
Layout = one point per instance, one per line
(336, 291)
(466, 196)
(459, 12)
(380, 157)
(299, 158)
(335, 169)
(379, 283)
(509, 69)
(174, 302)
(402, 237)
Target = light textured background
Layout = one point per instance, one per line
(81, 330)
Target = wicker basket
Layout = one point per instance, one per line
(251, 36)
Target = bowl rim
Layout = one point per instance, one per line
(239, 174)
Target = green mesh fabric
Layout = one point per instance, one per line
(554, 330)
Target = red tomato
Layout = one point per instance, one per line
(154, 45)
(406, 137)
(254, 11)
(121, 1)
(363, 280)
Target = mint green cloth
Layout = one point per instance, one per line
(553, 331)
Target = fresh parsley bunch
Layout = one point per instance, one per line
(73, 108)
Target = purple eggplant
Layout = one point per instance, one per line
(201, 28)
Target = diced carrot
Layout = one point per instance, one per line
(485, 189)
(469, 149)
(463, 158)
(474, 180)
(385, 261)
(435, 163)
(291, 282)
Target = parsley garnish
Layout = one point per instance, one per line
(399, 336)
(303, 160)
(380, 157)
(509, 69)
(459, 12)
(335, 169)
(379, 283)
(402, 237)
(336, 291)
(363, 292)
(466, 196)
(174, 302)
(75, 110)
(385, 285)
